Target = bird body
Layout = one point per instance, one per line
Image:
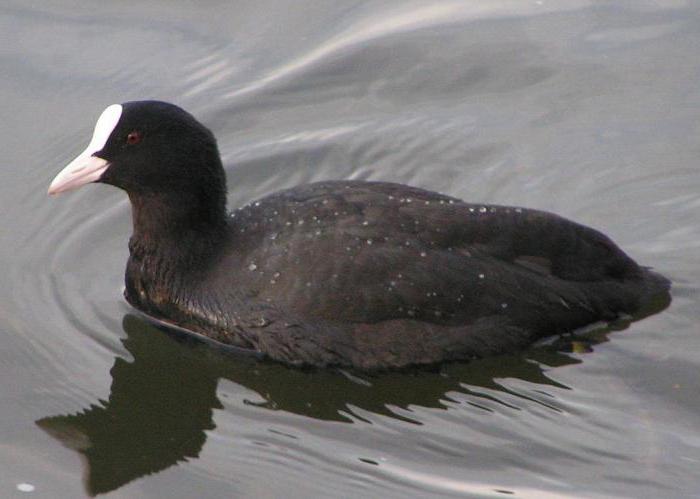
(363, 274)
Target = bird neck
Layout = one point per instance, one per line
(175, 243)
(177, 227)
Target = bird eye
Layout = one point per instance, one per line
(134, 137)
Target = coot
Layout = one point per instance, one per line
(362, 274)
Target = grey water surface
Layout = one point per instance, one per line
(590, 109)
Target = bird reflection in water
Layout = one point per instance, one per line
(161, 403)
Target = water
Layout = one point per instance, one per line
(588, 109)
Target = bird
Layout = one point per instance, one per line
(353, 274)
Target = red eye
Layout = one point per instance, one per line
(133, 138)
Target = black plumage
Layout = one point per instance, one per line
(363, 274)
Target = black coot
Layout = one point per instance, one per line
(363, 274)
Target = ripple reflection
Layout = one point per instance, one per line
(162, 403)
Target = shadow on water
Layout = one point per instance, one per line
(162, 402)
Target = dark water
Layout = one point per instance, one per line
(588, 109)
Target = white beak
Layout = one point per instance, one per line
(86, 167)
